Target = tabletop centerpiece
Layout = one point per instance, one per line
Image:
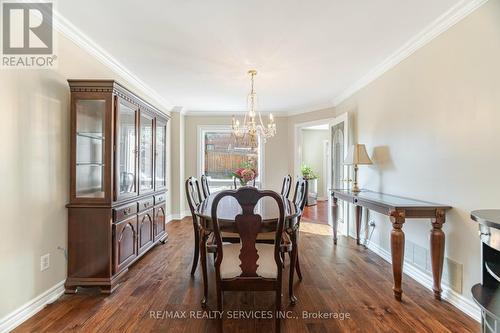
(245, 174)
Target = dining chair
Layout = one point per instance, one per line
(287, 184)
(194, 199)
(299, 198)
(202, 243)
(249, 265)
(204, 186)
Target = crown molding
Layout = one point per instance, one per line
(74, 34)
(214, 113)
(313, 108)
(280, 113)
(230, 113)
(433, 30)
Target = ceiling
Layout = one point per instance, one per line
(196, 53)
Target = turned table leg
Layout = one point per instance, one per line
(397, 250)
(437, 251)
(359, 213)
(334, 218)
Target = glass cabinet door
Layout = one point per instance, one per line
(89, 173)
(126, 149)
(161, 153)
(146, 153)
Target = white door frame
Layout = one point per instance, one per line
(327, 169)
(297, 140)
(346, 209)
(297, 135)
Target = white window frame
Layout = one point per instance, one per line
(202, 129)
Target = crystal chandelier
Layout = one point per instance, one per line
(253, 126)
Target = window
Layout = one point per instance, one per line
(220, 154)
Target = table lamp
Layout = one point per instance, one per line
(357, 155)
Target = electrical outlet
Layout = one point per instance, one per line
(44, 262)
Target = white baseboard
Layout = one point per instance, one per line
(24, 312)
(179, 216)
(457, 300)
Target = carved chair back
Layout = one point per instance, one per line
(204, 186)
(193, 195)
(287, 185)
(300, 195)
(248, 224)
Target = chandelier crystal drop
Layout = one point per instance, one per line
(253, 126)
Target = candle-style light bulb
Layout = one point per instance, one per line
(271, 118)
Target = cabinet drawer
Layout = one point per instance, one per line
(146, 204)
(160, 198)
(124, 212)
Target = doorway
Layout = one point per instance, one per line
(321, 146)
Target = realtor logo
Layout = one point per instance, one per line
(27, 35)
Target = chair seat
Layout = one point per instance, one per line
(266, 236)
(225, 234)
(261, 236)
(230, 265)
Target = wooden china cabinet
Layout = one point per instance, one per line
(118, 189)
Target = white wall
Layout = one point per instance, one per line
(432, 125)
(177, 139)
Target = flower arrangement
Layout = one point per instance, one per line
(245, 174)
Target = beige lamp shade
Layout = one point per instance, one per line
(357, 155)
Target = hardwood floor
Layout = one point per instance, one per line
(342, 279)
(317, 213)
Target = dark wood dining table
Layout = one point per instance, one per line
(267, 208)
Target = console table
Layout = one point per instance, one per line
(398, 209)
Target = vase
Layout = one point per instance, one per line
(312, 189)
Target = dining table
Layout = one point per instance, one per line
(228, 208)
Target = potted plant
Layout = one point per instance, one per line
(312, 184)
(245, 174)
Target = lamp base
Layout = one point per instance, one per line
(355, 187)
